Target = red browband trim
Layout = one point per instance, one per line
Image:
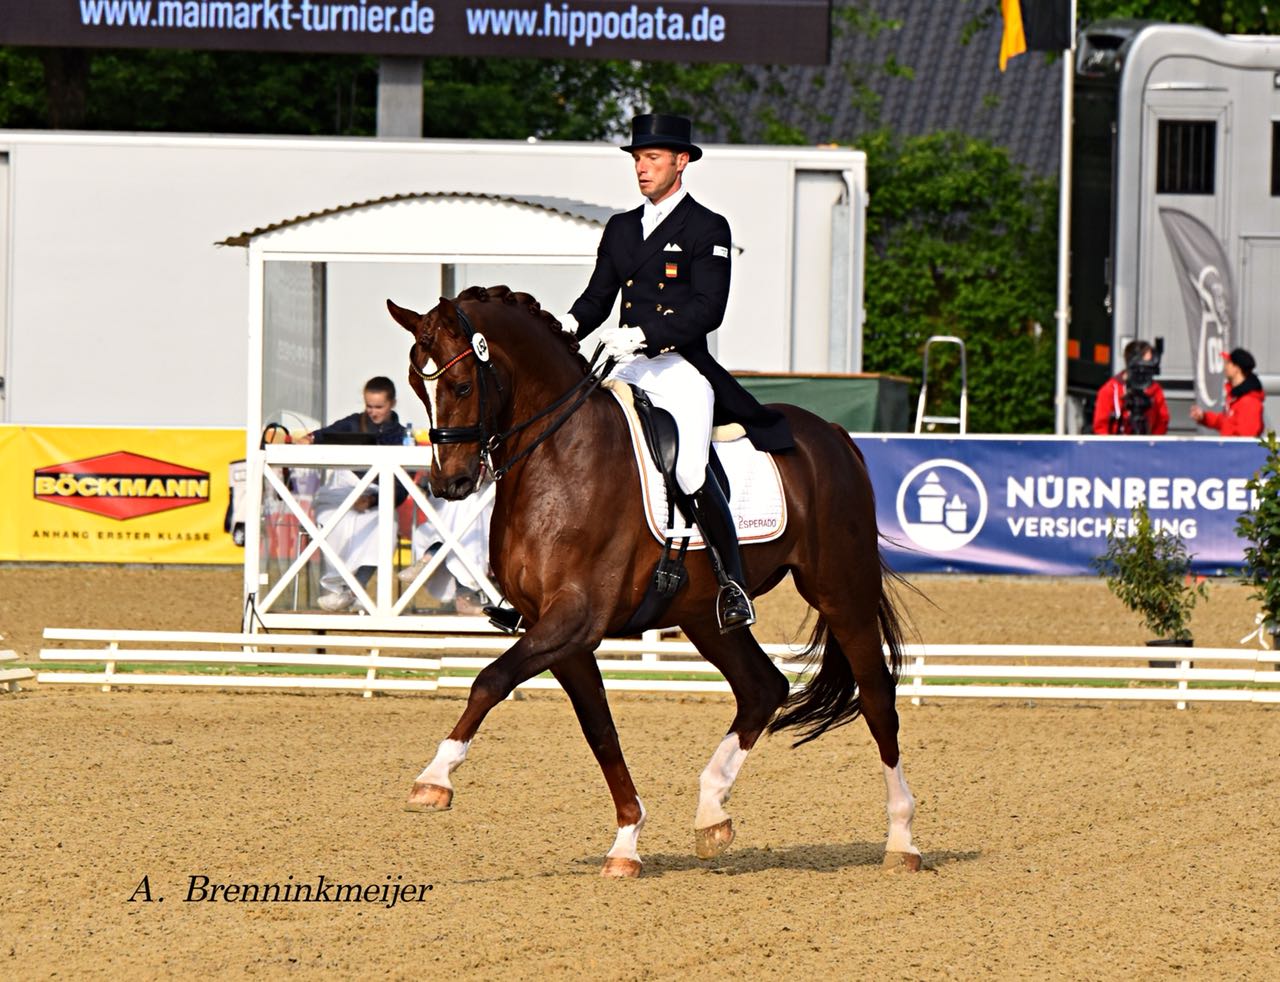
(436, 374)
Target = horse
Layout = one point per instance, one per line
(507, 390)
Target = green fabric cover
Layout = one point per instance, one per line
(859, 403)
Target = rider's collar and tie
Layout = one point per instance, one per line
(654, 215)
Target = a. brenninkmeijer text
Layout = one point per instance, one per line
(321, 890)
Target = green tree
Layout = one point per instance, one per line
(22, 100)
(1260, 528)
(1150, 573)
(962, 241)
(1223, 16)
(242, 92)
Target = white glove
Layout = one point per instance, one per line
(622, 342)
(568, 323)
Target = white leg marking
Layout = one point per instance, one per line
(430, 390)
(446, 761)
(624, 846)
(901, 808)
(716, 782)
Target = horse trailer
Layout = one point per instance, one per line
(121, 286)
(1175, 206)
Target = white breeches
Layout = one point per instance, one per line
(354, 535)
(474, 538)
(678, 387)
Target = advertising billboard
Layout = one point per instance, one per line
(744, 31)
(1044, 506)
(99, 495)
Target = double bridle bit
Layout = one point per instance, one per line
(482, 432)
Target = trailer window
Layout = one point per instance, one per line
(1275, 160)
(1186, 157)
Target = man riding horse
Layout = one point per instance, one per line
(671, 260)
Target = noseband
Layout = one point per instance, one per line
(485, 432)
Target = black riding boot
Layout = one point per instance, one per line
(711, 512)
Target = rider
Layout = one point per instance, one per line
(670, 258)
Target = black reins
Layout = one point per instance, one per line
(487, 375)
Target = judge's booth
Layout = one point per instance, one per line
(347, 536)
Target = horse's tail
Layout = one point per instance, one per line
(830, 696)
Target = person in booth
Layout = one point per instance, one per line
(354, 533)
(670, 258)
(1244, 398)
(1122, 409)
(453, 583)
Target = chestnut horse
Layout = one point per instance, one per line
(570, 548)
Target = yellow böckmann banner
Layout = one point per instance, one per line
(98, 495)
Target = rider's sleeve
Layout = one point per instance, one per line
(700, 311)
(596, 302)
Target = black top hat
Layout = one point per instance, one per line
(667, 132)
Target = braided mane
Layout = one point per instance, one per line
(505, 295)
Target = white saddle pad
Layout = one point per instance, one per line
(756, 500)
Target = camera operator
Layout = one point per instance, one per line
(1132, 402)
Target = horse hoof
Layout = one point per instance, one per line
(714, 839)
(620, 868)
(908, 862)
(429, 798)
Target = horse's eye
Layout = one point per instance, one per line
(464, 390)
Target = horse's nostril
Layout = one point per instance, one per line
(460, 487)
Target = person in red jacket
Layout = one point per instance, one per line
(1112, 413)
(1244, 399)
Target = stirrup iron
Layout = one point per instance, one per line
(733, 607)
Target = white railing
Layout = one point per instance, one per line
(10, 677)
(1037, 672)
(272, 582)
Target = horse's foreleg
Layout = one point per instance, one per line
(579, 676)
(533, 653)
(433, 789)
(759, 689)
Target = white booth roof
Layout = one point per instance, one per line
(438, 223)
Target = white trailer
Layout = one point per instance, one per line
(118, 308)
(1176, 174)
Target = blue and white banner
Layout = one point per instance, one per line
(1043, 505)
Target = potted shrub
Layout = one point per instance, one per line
(1150, 573)
(1261, 529)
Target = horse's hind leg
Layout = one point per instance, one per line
(855, 634)
(579, 676)
(759, 689)
(877, 692)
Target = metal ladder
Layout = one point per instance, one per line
(962, 420)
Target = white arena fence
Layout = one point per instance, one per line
(11, 677)
(375, 663)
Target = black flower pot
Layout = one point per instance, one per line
(1169, 643)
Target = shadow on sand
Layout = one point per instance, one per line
(818, 858)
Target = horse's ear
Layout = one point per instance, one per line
(405, 317)
(447, 317)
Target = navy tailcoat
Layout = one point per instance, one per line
(675, 285)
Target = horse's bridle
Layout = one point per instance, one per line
(484, 432)
(486, 376)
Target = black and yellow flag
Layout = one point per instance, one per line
(1034, 25)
